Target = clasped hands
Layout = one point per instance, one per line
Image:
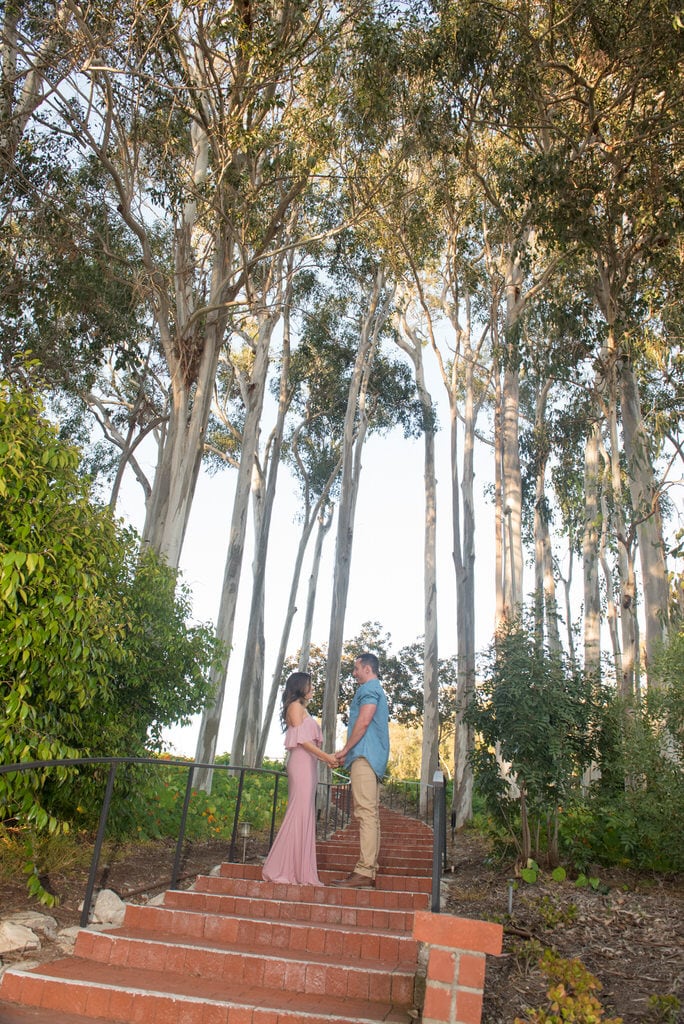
(335, 760)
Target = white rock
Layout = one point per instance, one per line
(67, 937)
(44, 924)
(109, 908)
(14, 938)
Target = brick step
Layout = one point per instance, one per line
(333, 940)
(124, 995)
(386, 882)
(371, 918)
(378, 981)
(339, 861)
(234, 885)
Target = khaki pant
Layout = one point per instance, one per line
(366, 799)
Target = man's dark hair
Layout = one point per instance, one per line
(370, 660)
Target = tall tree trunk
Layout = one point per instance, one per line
(211, 717)
(250, 696)
(355, 427)
(545, 584)
(499, 516)
(510, 422)
(590, 554)
(192, 379)
(411, 344)
(324, 523)
(625, 575)
(649, 528)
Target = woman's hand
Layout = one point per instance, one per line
(330, 760)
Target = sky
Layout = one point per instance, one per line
(386, 583)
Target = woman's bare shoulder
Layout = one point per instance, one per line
(296, 714)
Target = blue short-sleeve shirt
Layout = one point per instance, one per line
(374, 744)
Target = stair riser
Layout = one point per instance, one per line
(241, 968)
(272, 936)
(381, 899)
(283, 910)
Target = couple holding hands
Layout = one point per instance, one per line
(293, 855)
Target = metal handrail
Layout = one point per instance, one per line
(114, 762)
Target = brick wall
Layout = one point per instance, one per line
(455, 973)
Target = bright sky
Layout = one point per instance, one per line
(387, 561)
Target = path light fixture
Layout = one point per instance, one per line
(244, 830)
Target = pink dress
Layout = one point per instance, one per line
(293, 854)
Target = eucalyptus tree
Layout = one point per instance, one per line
(411, 342)
(379, 395)
(197, 116)
(611, 105)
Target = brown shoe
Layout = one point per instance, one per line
(356, 881)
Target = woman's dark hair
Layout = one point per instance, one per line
(296, 688)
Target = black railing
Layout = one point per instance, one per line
(439, 841)
(334, 808)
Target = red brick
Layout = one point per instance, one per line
(471, 970)
(315, 978)
(97, 1003)
(12, 986)
(357, 985)
(457, 932)
(295, 977)
(190, 1013)
(336, 982)
(274, 973)
(442, 966)
(468, 1007)
(402, 988)
(215, 1013)
(381, 989)
(438, 1003)
(120, 1004)
(240, 1015)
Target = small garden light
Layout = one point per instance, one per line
(244, 830)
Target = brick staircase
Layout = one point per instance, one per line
(237, 950)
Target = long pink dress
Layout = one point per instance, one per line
(293, 854)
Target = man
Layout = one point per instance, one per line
(366, 753)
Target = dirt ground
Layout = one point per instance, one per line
(630, 934)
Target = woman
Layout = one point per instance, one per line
(293, 854)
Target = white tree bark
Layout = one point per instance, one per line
(546, 606)
(354, 434)
(225, 624)
(410, 343)
(644, 494)
(590, 554)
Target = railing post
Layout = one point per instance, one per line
(231, 855)
(273, 811)
(181, 832)
(439, 838)
(88, 899)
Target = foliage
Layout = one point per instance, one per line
(537, 722)
(664, 1009)
(96, 651)
(634, 813)
(571, 994)
(161, 792)
(406, 747)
